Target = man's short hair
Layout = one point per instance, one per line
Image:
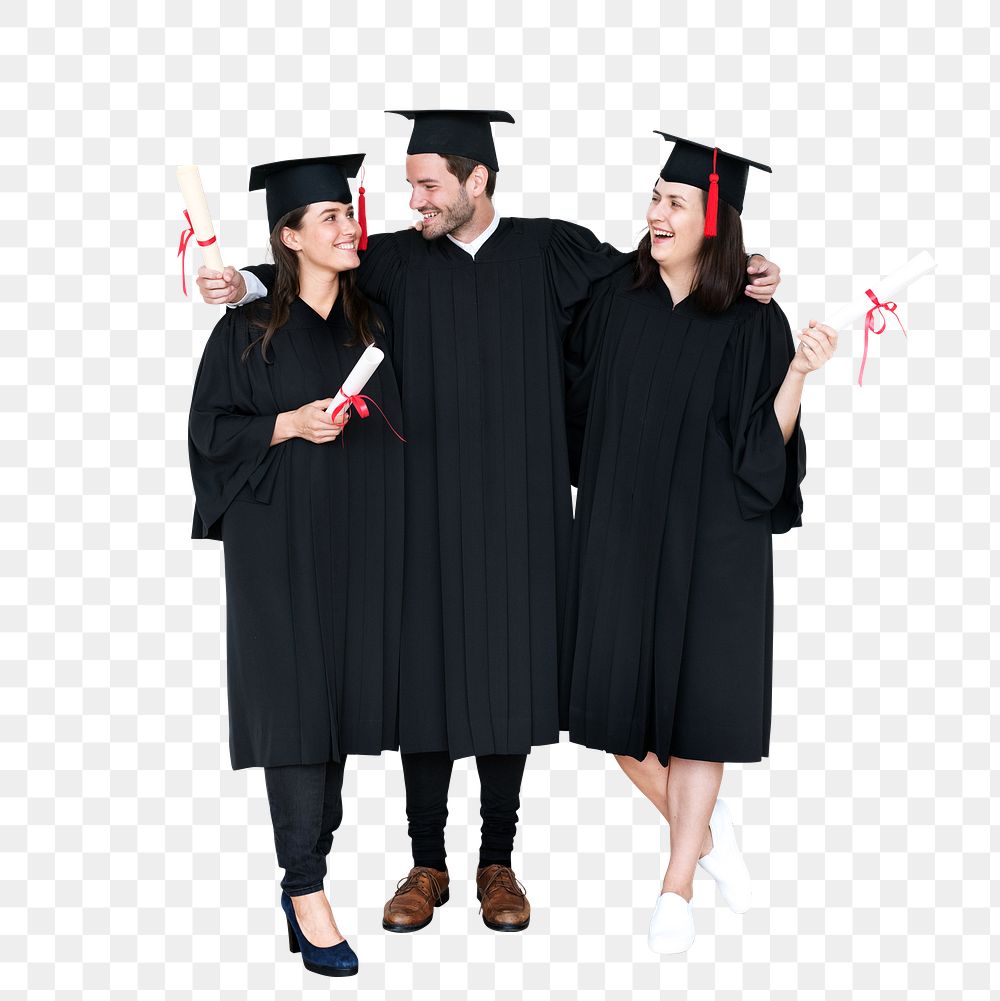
(462, 167)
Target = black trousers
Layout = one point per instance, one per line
(427, 777)
(306, 808)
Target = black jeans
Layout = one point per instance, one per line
(427, 777)
(306, 808)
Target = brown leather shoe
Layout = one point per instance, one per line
(504, 905)
(411, 907)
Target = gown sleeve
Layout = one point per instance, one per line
(265, 272)
(229, 440)
(382, 275)
(767, 471)
(379, 277)
(581, 349)
(574, 260)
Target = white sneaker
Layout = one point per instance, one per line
(671, 928)
(724, 863)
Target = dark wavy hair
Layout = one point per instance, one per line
(720, 271)
(271, 313)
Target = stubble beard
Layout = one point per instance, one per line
(451, 218)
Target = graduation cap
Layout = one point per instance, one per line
(455, 133)
(290, 184)
(723, 175)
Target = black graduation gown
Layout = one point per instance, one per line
(478, 349)
(313, 540)
(683, 479)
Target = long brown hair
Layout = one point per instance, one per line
(271, 314)
(719, 273)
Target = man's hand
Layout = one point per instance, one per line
(765, 278)
(221, 287)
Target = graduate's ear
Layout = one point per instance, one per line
(290, 238)
(476, 183)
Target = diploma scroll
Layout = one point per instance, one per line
(879, 296)
(200, 220)
(885, 289)
(355, 382)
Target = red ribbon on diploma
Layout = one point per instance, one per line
(870, 325)
(358, 402)
(182, 249)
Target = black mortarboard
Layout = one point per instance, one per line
(459, 133)
(723, 175)
(290, 184)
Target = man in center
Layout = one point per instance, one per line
(480, 307)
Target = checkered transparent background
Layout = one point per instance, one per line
(135, 863)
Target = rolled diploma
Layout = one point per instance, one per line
(885, 289)
(201, 220)
(360, 374)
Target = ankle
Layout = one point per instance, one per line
(685, 890)
(707, 845)
(438, 865)
(311, 903)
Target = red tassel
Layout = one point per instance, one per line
(712, 208)
(363, 220)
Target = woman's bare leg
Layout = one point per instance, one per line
(692, 788)
(650, 778)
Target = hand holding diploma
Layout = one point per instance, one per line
(817, 343)
(199, 221)
(350, 393)
(310, 422)
(356, 381)
(219, 288)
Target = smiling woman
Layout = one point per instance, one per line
(315, 248)
(312, 534)
(691, 458)
(314, 244)
(675, 219)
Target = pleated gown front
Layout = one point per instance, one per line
(313, 540)
(683, 477)
(478, 349)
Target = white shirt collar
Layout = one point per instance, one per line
(473, 246)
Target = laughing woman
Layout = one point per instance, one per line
(691, 458)
(312, 532)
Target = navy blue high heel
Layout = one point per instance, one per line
(333, 961)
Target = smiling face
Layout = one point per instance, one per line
(327, 237)
(676, 221)
(438, 195)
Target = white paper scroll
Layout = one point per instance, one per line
(189, 180)
(360, 374)
(885, 289)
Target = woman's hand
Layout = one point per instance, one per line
(310, 422)
(817, 343)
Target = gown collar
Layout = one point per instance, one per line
(686, 305)
(302, 311)
(473, 246)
